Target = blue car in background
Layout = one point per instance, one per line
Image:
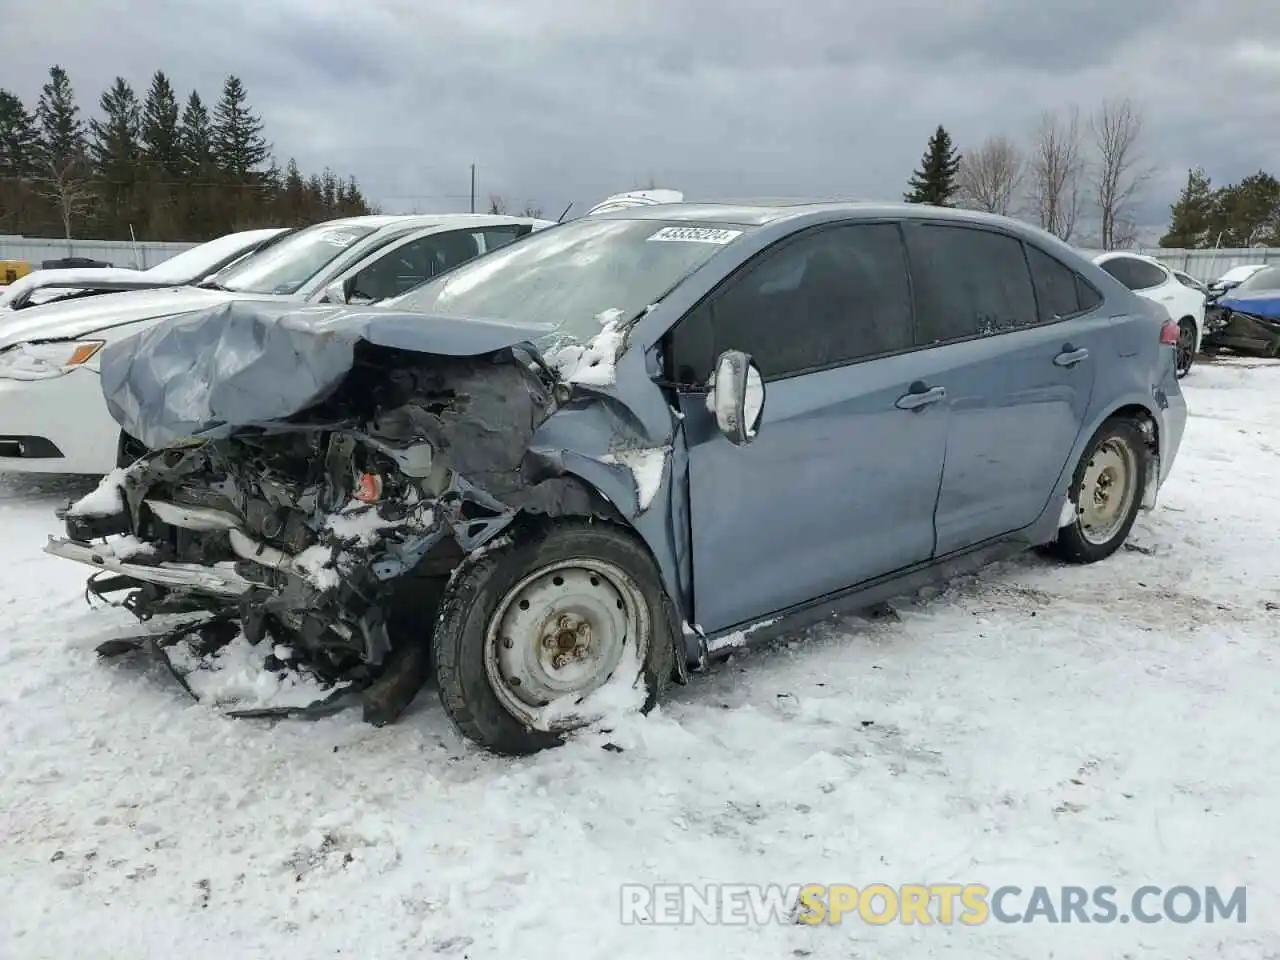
(600, 455)
(1247, 317)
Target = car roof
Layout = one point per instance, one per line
(1122, 254)
(758, 212)
(452, 220)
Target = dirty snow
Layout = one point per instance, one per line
(646, 466)
(104, 500)
(1113, 724)
(316, 564)
(739, 637)
(234, 677)
(127, 546)
(622, 694)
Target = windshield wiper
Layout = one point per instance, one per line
(211, 285)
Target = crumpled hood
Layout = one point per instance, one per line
(246, 362)
(76, 318)
(1264, 303)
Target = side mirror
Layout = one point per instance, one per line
(336, 292)
(737, 397)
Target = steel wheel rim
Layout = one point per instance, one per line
(562, 631)
(1107, 491)
(1186, 348)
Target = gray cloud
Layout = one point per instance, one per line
(575, 99)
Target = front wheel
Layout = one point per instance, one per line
(1186, 349)
(528, 631)
(1106, 492)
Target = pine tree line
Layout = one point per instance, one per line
(1243, 214)
(169, 172)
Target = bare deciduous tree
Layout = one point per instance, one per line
(497, 204)
(532, 210)
(1055, 170)
(1117, 131)
(66, 186)
(990, 176)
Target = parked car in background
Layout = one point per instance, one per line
(190, 266)
(1187, 280)
(1154, 281)
(1247, 317)
(611, 450)
(1233, 278)
(52, 415)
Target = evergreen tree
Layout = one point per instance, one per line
(160, 134)
(1192, 214)
(935, 181)
(239, 148)
(19, 139)
(195, 138)
(62, 135)
(114, 146)
(1247, 214)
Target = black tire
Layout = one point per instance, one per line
(1186, 348)
(1074, 544)
(472, 599)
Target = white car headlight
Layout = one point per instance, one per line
(40, 361)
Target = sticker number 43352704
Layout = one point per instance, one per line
(695, 235)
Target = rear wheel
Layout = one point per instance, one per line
(1186, 350)
(1106, 492)
(550, 619)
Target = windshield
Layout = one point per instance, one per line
(285, 266)
(574, 275)
(200, 261)
(1266, 280)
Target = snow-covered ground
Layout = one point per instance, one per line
(1116, 724)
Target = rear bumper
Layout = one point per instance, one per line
(58, 426)
(220, 580)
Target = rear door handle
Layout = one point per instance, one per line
(1070, 356)
(920, 395)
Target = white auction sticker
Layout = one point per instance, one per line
(696, 235)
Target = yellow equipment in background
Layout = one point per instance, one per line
(13, 270)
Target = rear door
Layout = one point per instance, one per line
(1014, 339)
(839, 484)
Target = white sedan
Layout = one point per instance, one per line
(1153, 280)
(190, 266)
(53, 418)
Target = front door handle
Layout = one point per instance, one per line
(920, 395)
(1070, 356)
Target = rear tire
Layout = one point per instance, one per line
(1107, 490)
(1186, 349)
(552, 615)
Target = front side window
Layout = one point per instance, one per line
(577, 276)
(968, 283)
(827, 297)
(285, 266)
(413, 263)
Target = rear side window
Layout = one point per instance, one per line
(1133, 273)
(826, 297)
(1060, 291)
(968, 283)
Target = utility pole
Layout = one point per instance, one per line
(473, 188)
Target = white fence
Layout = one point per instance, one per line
(118, 253)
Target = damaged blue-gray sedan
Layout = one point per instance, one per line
(588, 461)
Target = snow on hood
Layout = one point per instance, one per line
(75, 318)
(82, 278)
(252, 361)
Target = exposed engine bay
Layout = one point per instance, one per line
(335, 530)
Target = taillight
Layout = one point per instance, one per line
(1169, 333)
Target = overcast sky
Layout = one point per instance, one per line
(560, 100)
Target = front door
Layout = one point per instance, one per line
(839, 484)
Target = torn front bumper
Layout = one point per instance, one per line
(217, 580)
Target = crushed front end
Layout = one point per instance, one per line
(332, 531)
